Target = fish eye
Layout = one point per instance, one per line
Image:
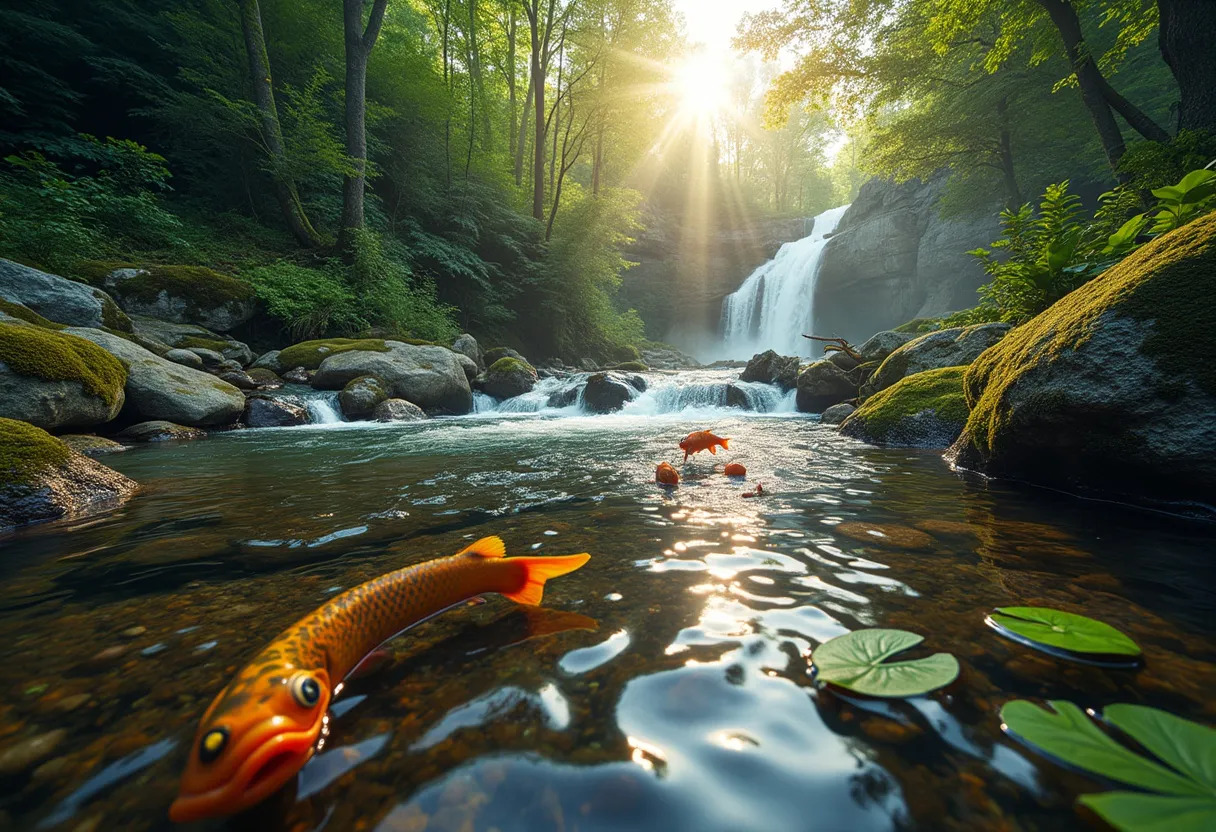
(212, 743)
(305, 690)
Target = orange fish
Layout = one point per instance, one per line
(262, 728)
(665, 474)
(735, 469)
(759, 492)
(702, 440)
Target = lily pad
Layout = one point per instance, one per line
(1044, 627)
(1181, 782)
(855, 661)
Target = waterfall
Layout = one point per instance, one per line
(774, 306)
(324, 409)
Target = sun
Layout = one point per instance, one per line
(702, 84)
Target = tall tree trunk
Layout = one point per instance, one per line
(1133, 115)
(556, 115)
(359, 42)
(511, 98)
(1064, 16)
(272, 132)
(1013, 194)
(538, 147)
(474, 76)
(447, 85)
(521, 142)
(1187, 39)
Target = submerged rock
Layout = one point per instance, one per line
(770, 368)
(265, 412)
(359, 398)
(41, 478)
(178, 294)
(607, 392)
(508, 377)
(55, 380)
(1113, 388)
(398, 410)
(925, 410)
(467, 345)
(836, 414)
(90, 445)
(431, 377)
(59, 299)
(159, 431)
(954, 347)
(822, 385)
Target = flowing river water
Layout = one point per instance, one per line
(664, 686)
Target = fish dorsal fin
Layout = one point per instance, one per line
(487, 547)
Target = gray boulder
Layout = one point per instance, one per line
(359, 398)
(822, 385)
(59, 299)
(160, 389)
(183, 295)
(239, 379)
(954, 347)
(188, 336)
(607, 392)
(187, 358)
(266, 412)
(428, 376)
(836, 414)
(398, 410)
(210, 358)
(470, 367)
(508, 377)
(467, 345)
(159, 431)
(269, 361)
(882, 344)
(843, 360)
(492, 355)
(770, 368)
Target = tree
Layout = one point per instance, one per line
(1187, 39)
(359, 40)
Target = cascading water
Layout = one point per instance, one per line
(775, 305)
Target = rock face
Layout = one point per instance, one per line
(430, 377)
(1112, 389)
(467, 345)
(179, 294)
(264, 412)
(359, 398)
(607, 392)
(59, 299)
(925, 410)
(42, 479)
(508, 377)
(159, 431)
(878, 346)
(56, 381)
(894, 258)
(822, 385)
(398, 410)
(770, 368)
(667, 358)
(160, 389)
(945, 348)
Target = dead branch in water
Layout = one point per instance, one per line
(837, 345)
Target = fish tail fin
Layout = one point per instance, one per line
(539, 570)
(726, 444)
(713, 450)
(487, 547)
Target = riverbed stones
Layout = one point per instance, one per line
(398, 410)
(157, 389)
(836, 414)
(159, 430)
(429, 376)
(770, 368)
(187, 358)
(359, 398)
(953, 347)
(266, 412)
(822, 385)
(178, 294)
(239, 379)
(467, 345)
(23, 756)
(41, 478)
(607, 392)
(925, 410)
(508, 377)
(1112, 390)
(59, 299)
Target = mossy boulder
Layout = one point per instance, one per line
(264, 378)
(925, 410)
(179, 294)
(42, 479)
(508, 377)
(492, 355)
(55, 380)
(16, 313)
(310, 354)
(626, 352)
(1113, 388)
(632, 367)
(822, 385)
(90, 445)
(359, 397)
(430, 377)
(955, 347)
(150, 331)
(770, 368)
(59, 299)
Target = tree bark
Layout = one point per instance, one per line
(521, 143)
(1064, 16)
(1187, 40)
(538, 68)
(272, 132)
(359, 42)
(1013, 193)
(1133, 115)
(511, 98)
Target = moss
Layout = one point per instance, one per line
(27, 451)
(263, 376)
(918, 325)
(632, 367)
(203, 287)
(493, 354)
(938, 390)
(1166, 282)
(28, 315)
(626, 353)
(212, 344)
(420, 342)
(310, 354)
(111, 316)
(53, 356)
(511, 365)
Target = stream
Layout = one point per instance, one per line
(664, 686)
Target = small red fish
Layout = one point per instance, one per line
(735, 469)
(702, 440)
(759, 492)
(665, 474)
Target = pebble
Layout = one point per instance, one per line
(106, 657)
(52, 769)
(70, 703)
(134, 632)
(28, 753)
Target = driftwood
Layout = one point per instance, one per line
(837, 345)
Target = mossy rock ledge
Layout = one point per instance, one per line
(42, 479)
(955, 347)
(508, 377)
(925, 410)
(179, 294)
(1112, 390)
(59, 299)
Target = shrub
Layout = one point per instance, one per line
(392, 300)
(308, 302)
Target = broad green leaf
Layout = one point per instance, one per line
(1199, 193)
(1127, 233)
(1196, 178)
(1065, 630)
(1170, 192)
(856, 661)
(1185, 745)
(1072, 737)
(1134, 812)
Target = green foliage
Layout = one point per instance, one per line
(394, 301)
(856, 661)
(308, 302)
(632, 367)
(37, 352)
(1064, 630)
(27, 451)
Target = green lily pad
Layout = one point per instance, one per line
(855, 661)
(1182, 791)
(1065, 631)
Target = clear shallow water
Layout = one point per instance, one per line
(663, 686)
